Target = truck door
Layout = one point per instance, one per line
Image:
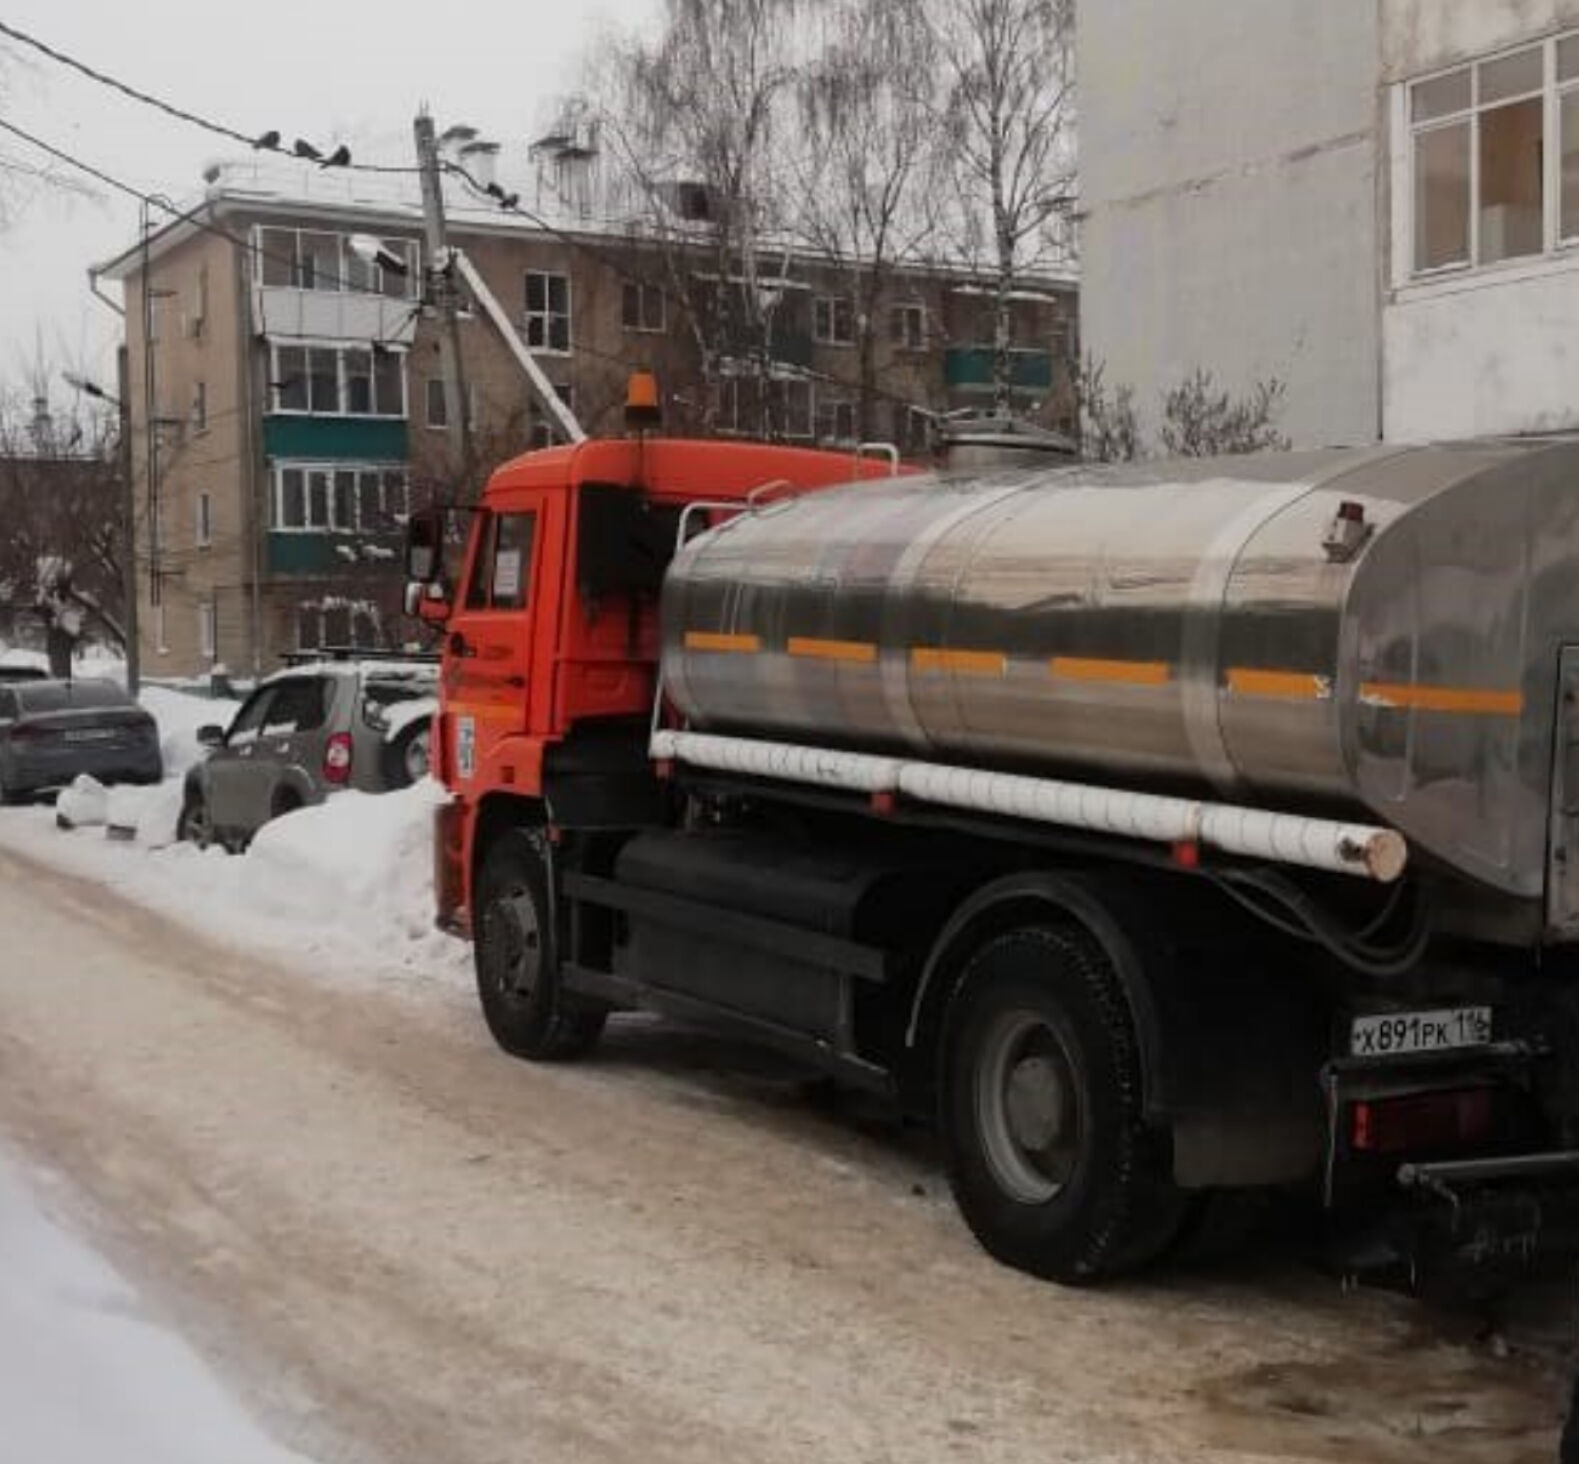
(489, 648)
(1562, 870)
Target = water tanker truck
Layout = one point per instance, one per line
(1160, 833)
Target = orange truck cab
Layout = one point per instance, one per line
(551, 628)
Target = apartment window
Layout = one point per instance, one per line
(339, 381)
(1482, 167)
(438, 410)
(207, 631)
(792, 400)
(547, 311)
(205, 521)
(833, 320)
(835, 419)
(644, 307)
(322, 261)
(907, 326)
(200, 406)
(339, 498)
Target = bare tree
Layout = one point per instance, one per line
(63, 577)
(1198, 420)
(691, 126)
(1008, 140)
(864, 200)
(1109, 430)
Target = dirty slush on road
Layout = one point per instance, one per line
(403, 1247)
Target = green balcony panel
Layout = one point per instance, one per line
(300, 553)
(972, 366)
(336, 439)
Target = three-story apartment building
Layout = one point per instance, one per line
(287, 410)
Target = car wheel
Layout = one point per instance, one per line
(405, 757)
(1048, 1155)
(195, 826)
(516, 954)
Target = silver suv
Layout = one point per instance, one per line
(305, 733)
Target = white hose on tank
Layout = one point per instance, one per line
(1254, 833)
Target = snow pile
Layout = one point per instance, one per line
(84, 804)
(360, 856)
(25, 660)
(85, 1376)
(344, 888)
(179, 715)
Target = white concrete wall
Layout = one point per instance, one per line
(1228, 158)
(1488, 357)
(1486, 351)
(1421, 35)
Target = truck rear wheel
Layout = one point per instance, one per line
(517, 961)
(1048, 1156)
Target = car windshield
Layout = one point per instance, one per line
(63, 696)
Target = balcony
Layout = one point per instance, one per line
(967, 366)
(335, 439)
(289, 552)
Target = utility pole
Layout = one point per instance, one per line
(129, 618)
(441, 292)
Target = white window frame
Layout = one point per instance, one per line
(1406, 221)
(645, 292)
(205, 519)
(331, 528)
(410, 248)
(207, 630)
(831, 336)
(907, 310)
(341, 382)
(546, 317)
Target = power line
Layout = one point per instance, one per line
(263, 142)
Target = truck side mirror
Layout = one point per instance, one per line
(425, 546)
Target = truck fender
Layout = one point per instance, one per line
(1001, 903)
(1229, 1051)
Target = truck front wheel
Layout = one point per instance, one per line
(516, 957)
(1048, 1156)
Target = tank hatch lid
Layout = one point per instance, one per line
(975, 442)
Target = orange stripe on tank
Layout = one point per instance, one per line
(1278, 685)
(1467, 700)
(715, 640)
(1124, 673)
(966, 663)
(862, 653)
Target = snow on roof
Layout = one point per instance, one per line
(425, 672)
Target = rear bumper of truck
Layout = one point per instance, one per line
(1511, 1214)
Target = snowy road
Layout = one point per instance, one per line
(399, 1246)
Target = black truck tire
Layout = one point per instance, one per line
(515, 953)
(1048, 1155)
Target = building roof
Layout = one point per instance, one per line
(391, 200)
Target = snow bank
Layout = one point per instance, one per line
(344, 888)
(84, 1376)
(179, 715)
(27, 660)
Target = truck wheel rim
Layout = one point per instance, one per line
(518, 946)
(1028, 1110)
(417, 758)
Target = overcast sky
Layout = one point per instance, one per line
(322, 71)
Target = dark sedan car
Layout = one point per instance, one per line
(52, 730)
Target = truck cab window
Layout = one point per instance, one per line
(503, 563)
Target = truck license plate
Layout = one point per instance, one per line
(1391, 1034)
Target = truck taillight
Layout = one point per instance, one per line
(1422, 1121)
(337, 759)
